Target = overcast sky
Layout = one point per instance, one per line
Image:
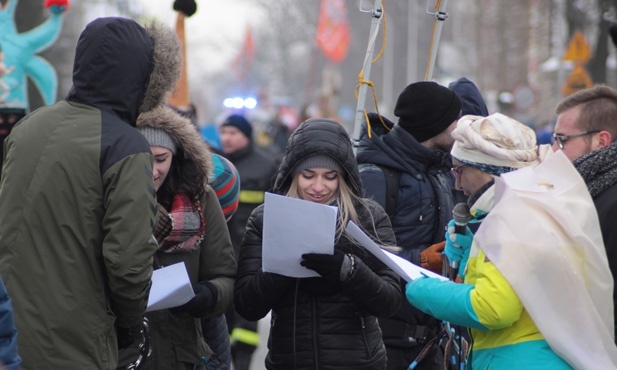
(214, 34)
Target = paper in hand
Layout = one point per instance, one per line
(293, 227)
(403, 268)
(171, 287)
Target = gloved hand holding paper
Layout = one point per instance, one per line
(171, 287)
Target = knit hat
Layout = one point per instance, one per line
(158, 137)
(494, 144)
(240, 123)
(225, 181)
(318, 161)
(426, 109)
(471, 98)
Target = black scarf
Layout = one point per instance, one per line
(599, 169)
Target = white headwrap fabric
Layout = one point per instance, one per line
(496, 140)
(543, 235)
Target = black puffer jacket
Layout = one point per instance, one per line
(256, 168)
(315, 324)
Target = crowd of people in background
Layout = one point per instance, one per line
(103, 188)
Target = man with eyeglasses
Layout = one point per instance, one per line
(585, 131)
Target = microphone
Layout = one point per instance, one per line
(612, 31)
(461, 216)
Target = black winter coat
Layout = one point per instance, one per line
(606, 205)
(256, 168)
(426, 194)
(316, 324)
(426, 197)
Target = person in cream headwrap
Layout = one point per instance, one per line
(485, 148)
(497, 143)
(504, 334)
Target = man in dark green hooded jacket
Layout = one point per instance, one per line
(77, 201)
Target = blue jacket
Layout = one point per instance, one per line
(426, 193)
(424, 204)
(8, 333)
(471, 98)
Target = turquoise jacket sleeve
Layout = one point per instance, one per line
(444, 300)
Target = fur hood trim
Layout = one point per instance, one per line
(167, 65)
(184, 135)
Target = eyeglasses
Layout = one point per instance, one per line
(458, 171)
(562, 139)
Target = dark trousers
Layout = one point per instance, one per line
(241, 353)
(400, 358)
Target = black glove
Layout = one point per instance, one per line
(327, 265)
(188, 7)
(128, 336)
(203, 302)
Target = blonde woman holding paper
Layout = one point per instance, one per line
(327, 322)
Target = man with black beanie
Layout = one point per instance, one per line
(406, 168)
(256, 168)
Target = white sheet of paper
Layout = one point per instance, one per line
(399, 265)
(171, 287)
(293, 227)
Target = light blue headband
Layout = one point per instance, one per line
(488, 168)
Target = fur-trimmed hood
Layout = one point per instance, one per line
(124, 68)
(184, 135)
(167, 65)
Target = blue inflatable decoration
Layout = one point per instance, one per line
(20, 60)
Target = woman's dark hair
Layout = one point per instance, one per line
(184, 178)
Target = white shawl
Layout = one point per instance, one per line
(543, 235)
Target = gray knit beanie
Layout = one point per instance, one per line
(318, 161)
(158, 137)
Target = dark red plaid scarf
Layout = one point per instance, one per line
(182, 228)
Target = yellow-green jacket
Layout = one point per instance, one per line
(503, 334)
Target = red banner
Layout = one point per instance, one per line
(333, 29)
(243, 60)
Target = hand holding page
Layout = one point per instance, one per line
(293, 227)
(401, 266)
(171, 287)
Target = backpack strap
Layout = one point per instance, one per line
(384, 189)
(392, 180)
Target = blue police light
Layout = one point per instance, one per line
(250, 103)
(240, 103)
(228, 103)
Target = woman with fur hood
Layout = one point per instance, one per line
(327, 322)
(191, 228)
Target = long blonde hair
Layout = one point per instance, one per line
(345, 200)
